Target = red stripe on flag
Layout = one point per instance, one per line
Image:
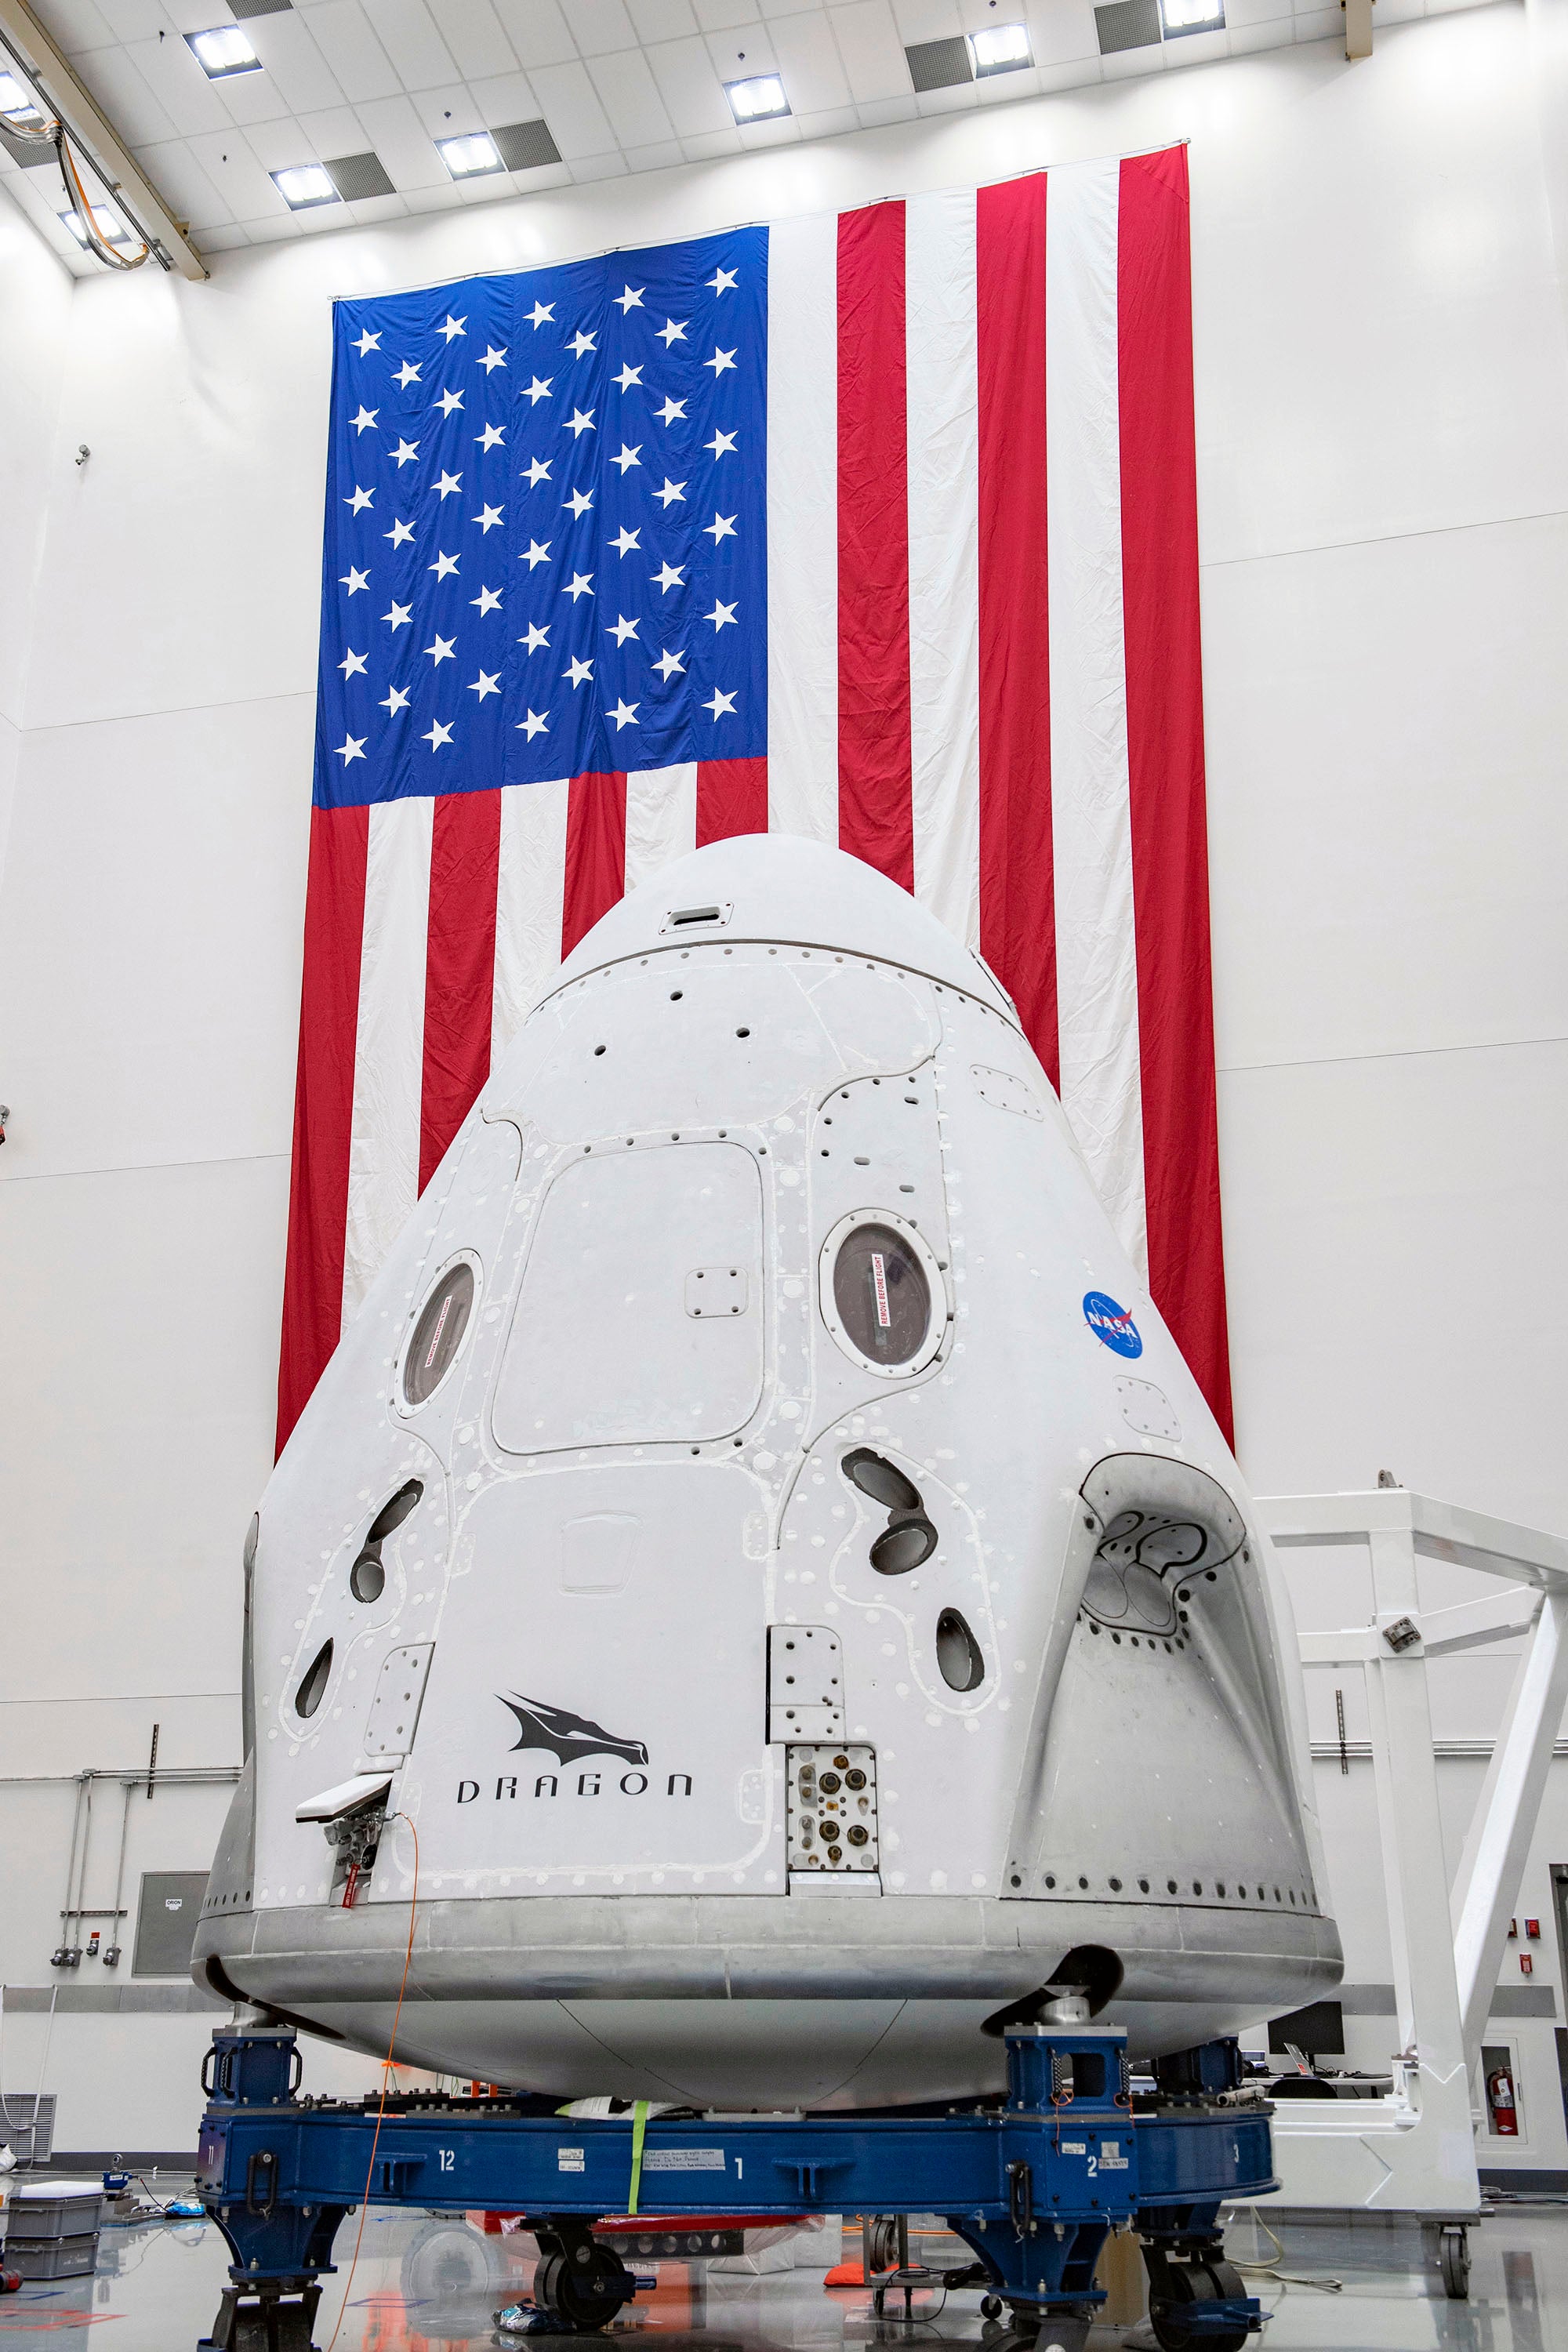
(731, 797)
(876, 807)
(1165, 767)
(459, 967)
(323, 1106)
(1017, 895)
(595, 853)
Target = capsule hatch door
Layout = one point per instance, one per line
(611, 1342)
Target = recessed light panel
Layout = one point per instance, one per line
(1178, 16)
(1001, 49)
(757, 100)
(110, 227)
(224, 51)
(303, 184)
(18, 110)
(471, 157)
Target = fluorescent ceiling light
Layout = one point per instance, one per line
(1001, 49)
(302, 184)
(1192, 15)
(469, 158)
(16, 108)
(224, 50)
(757, 100)
(110, 227)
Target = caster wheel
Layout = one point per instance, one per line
(1454, 2260)
(1189, 2286)
(581, 2297)
(991, 2306)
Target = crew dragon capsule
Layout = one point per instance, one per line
(757, 1576)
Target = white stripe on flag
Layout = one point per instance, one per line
(942, 402)
(1097, 965)
(389, 1045)
(661, 819)
(803, 528)
(530, 884)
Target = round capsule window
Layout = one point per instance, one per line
(313, 1687)
(882, 1297)
(439, 1333)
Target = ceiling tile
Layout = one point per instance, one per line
(658, 157)
(333, 130)
(726, 15)
(655, 20)
(872, 52)
(538, 31)
(782, 131)
(183, 184)
(401, 140)
(504, 97)
(1063, 32)
(276, 146)
(167, 67)
(448, 114)
(926, 20)
(343, 35)
(742, 51)
(630, 97)
(287, 50)
(133, 20)
(586, 169)
(808, 59)
(573, 111)
(829, 124)
(226, 239)
(599, 26)
(693, 95)
(76, 24)
(958, 98)
(407, 31)
(876, 112)
(115, 79)
(703, 146)
(272, 228)
(229, 161)
(472, 31)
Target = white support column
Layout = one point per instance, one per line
(1486, 1885)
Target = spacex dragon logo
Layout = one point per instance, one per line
(568, 1737)
(571, 1739)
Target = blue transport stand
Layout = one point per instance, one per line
(1033, 2186)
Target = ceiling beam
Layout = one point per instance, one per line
(90, 129)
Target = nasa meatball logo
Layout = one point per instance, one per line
(1112, 1326)
(571, 1739)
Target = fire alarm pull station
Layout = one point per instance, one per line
(1526, 1965)
(1532, 1929)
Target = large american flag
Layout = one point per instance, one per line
(879, 527)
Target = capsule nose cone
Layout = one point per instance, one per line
(779, 887)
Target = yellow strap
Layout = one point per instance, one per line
(639, 2125)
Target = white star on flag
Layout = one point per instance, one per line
(719, 362)
(448, 400)
(721, 444)
(581, 421)
(539, 389)
(669, 664)
(399, 616)
(579, 501)
(492, 437)
(443, 566)
(406, 454)
(628, 459)
(579, 343)
(625, 540)
(488, 600)
(536, 554)
(629, 298)
(400, 533)
(581, 585)
(485, 684)
(721, 615)
(366, 419)
(492, 360)
(367, 342)
(454, 326)
(670, 411)
(535, 638)
(627, 377)
(578, 671)
(538, 471)
(722, 282)
(721, 704)
(624, 714)
(621, 629)
(441, 650)
(671, 492)
(436, 735)
(722, 527)
(672, 331)
(360, 499)
(354, 580)
(351, 664)
(541, 314)
(489, 519)
(353, 747)
(535, 723)
(669, 576)
(447, 484)
(394, 701)
(406, 374)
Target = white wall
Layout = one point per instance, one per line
(34, 302)
(1382, 380)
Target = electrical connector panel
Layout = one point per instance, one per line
(833, 1807)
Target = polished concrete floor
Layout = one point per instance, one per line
(432, 2284)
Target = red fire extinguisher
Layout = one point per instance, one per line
(1500, 2100)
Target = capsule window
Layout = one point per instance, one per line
(903, 1546)
(881, 1480)
(882, 1293)
(439, 1333)
(314, 1688)
(958, 1654)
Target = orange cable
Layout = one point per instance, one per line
(386, 2065)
